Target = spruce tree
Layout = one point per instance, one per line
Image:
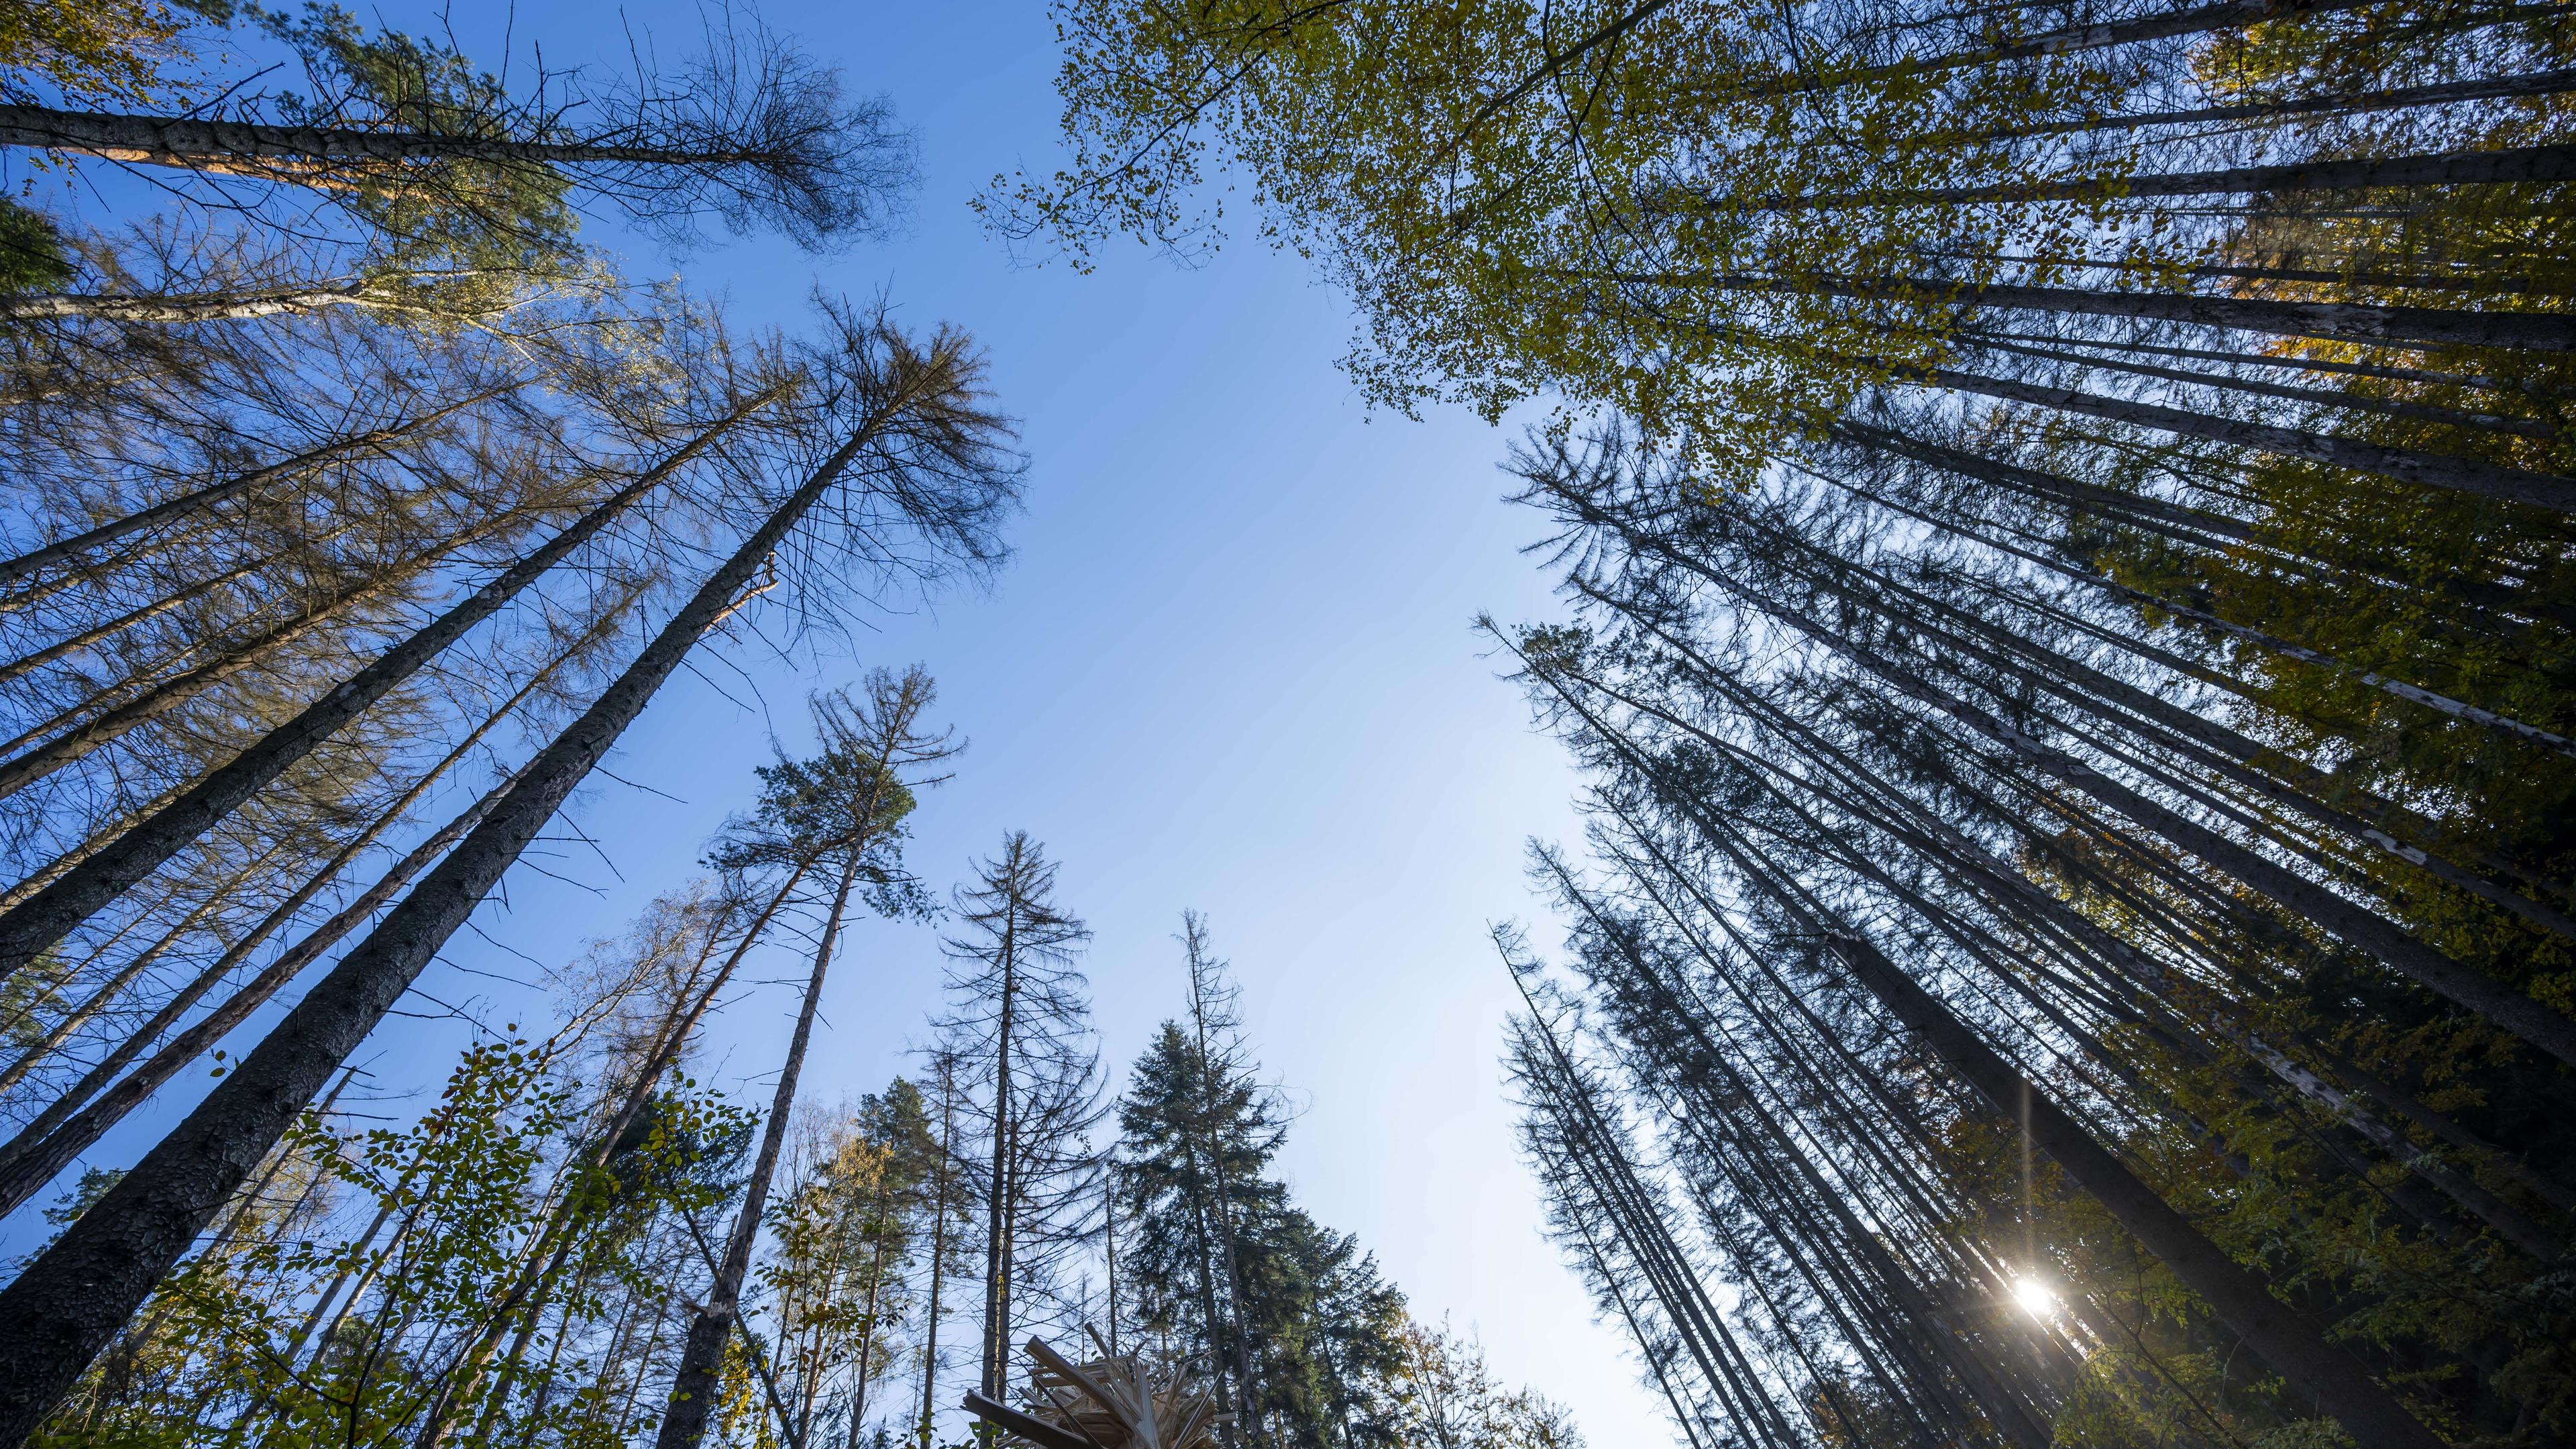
(1018, 1028)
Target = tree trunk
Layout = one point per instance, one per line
(2332, 321)
(54, 912)
(146, 309)
(2282, 779)
(693, 1386)
(78, 736)
(938, 1254)
(997, 1209)
(2463, 985)
(2194, 528)
(2317, 1372)
(2406, 465)
(2270, 643)
(108, 991)
(28, 663)
(2316, 397)
(1109, 1244)
(2525, 164)
(321, 940)
(2014, 897)
(319, 155)
(65, 1306)
(2535, 83)
(2071, 40)
(97, 840)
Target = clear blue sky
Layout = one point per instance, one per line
(1230, 670)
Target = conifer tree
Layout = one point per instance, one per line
(1018, 1028)
(839, 817)
(1296, 1325)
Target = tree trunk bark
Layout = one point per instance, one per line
(278, 972)
(109, 990)
(65, 1306)
(28, 663)
(2523, 164)
(938, 1257)
(2270, 643)
(28, 930)
(311, 155)
(2406, 465)
(997, 1210)
(2463, 985)
(2072, 40)
(2535, 83)
(80, 736)
(145, 309)
(2332, 321)
(2533, 428)
(2193, 528)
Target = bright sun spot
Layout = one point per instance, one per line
(2034, 1297)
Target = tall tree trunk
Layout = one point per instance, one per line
(2350, 103)
(217, 896)
(693, 1386)
(2523, 164)
(28, 663)
(320, 155)
(2193, 528)
(2465, 986)
(151, 310)
(2069, 40)
(938, 1252)
(997, 1208)
(1220, 1203)
(1109, 1244)
(862, 1373)
(91, 844)
(2407, 465)
(321, 940)
(65, 1306)
(54, 912)
(2270, 643)
(2331, 321)
(2348, 400)
(80, 736)
(2320, 1374)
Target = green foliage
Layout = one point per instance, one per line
(32, 255)
(466, 1202)
(1218, 1258)
(92, 51)
(465, 216)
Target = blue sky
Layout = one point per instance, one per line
(1229, 670)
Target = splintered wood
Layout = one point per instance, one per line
(1124, 1401)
